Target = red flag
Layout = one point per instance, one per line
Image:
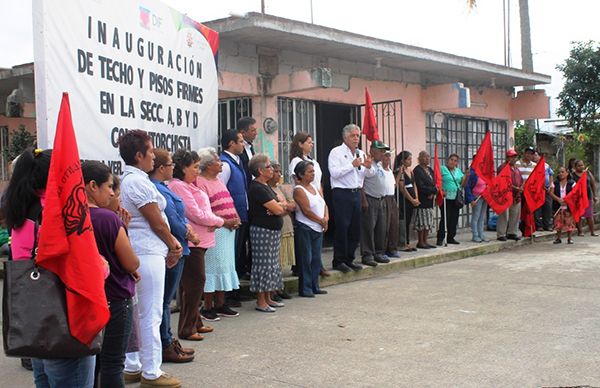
(498, 193)
(369, 123)
(437, 178)
(577, 200)
(483, 163)
(67, 246)
(534, 189)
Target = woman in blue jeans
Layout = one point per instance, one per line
(113, 245)
(473, 190)
(312, 218)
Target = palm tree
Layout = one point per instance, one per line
(526, 54)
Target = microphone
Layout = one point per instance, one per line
(358, 156)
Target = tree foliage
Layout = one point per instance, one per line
(524, 137)
(580, 97)
(20, 139)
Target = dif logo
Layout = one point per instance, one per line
(149, 19)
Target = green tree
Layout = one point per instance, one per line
(20, 139)
(580, 97)
(524, 137)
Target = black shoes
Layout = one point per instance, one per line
(320, 292)
(501, 238)
(453, 241)
(369, 261)
(394, 254)
(343, 268)
(209, 315)
(225, 311)
(354, 267)
(513, 237)
(382, 259)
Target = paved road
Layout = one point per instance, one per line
(529, 317)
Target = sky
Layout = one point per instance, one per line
(442, 25)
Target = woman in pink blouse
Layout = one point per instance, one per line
(204, 222)
(220, 259)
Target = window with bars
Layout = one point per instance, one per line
(294, 116)
(462, 136)
(231, 110)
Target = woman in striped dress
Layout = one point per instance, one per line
(219, 260)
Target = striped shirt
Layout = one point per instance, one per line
(525, 168)
(221, 202)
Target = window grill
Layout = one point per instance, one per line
(230, 111)
(462, 136)
(294, 116)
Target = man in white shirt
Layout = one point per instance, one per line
(374, 216)
(348, 167)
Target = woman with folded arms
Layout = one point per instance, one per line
(265, 234)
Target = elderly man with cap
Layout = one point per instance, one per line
(374, 217)
(526, 166)
(508, 222)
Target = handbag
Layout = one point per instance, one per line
(34, 314)
(460, 195)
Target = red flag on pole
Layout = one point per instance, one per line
(534, 189)
(534, 195)
(369, 123)
(437, 178)
(483, 163)
(577, 200)
(67, 246)
(498, 193)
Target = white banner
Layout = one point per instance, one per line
(126, 65)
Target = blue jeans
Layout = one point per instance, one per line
(478, 218)
(64, 372)
(172, 279)
(308, 257)
(111, 360)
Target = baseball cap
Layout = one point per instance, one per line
(511, 152)
(380, 145)
(530, 149)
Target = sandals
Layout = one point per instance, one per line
(267, 309)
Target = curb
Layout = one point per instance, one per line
(418, 261)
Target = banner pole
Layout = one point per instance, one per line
(445, 223)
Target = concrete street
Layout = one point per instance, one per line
(526, 317)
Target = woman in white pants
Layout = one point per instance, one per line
(152, 242)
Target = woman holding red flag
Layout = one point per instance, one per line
(563, 219)
(578, 171)
(21, 210)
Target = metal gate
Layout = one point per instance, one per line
(390, 123)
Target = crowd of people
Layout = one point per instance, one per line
(193, 223)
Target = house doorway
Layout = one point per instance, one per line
(330, 119)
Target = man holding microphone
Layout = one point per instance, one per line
(348, 167)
